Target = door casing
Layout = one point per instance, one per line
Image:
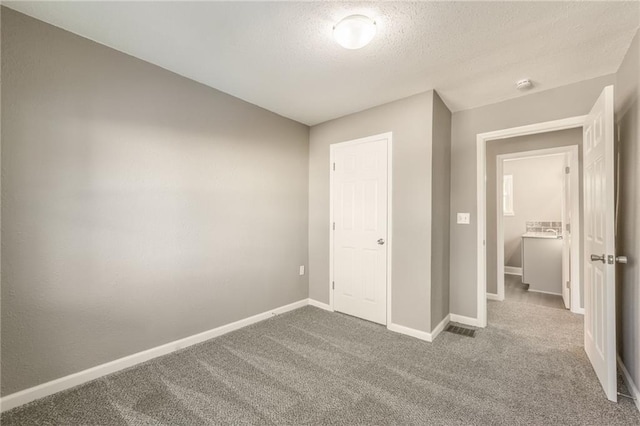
(481, 157)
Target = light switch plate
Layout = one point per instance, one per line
(464, 218)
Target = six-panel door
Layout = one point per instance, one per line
(359, 191)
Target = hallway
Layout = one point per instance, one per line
(516, 291)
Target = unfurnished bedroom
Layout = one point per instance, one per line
(286, 213)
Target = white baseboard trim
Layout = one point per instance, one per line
(438, 329)
(633, 389)
(422, 335)
(544, 292)
(320, 305)
(512, 270)
(461, 319)
(49, 388)
(418, 334)
(578, 311)
(493, 296)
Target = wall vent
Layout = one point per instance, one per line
(463, 331)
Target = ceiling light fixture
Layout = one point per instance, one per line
(354, 31)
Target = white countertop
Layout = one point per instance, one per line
(548, 235)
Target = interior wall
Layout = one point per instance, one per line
(553, 104)
(138, 206)
(556, 139)
(537, 196)
(441, 210)
(628, 222)
(410, 121)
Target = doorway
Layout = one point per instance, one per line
(482, 140)
(360, 231)
(538, 209)
(599, 255)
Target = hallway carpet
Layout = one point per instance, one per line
(314, 367)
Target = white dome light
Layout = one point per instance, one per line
(354, 31)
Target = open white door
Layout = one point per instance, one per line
(599, 205)
(566, 235)
(359, 184)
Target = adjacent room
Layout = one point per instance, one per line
(535, 183)
(533, 238)
(320, 213)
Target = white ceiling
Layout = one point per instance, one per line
(281, 55)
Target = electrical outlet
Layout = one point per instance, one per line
(464, 218)
(301, 269)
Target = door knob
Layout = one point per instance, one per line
(595, 257)
(621, 259)
(381, 241)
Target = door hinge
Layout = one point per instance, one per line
(333, 285)
(334, 226)
(568, 227)
(567, 170)
(334, 167)
(568, 284)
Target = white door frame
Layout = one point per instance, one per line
(389, 242)
(481, 178)
(572, 151)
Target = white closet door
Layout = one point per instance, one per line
(359, 191)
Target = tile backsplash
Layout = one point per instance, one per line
(542, 225)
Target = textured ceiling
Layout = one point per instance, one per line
(281, 55)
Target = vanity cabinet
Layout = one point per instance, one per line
(542, 263)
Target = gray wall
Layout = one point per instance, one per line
(553, 104)
(138, 207)
(441, 210)
(410, 120)
(508, 146)
(628, 231)
(537, 196)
